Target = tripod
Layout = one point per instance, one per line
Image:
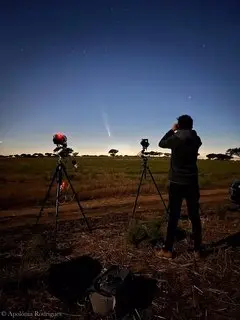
(144, 174)
(58, 175)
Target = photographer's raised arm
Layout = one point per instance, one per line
(169, 141)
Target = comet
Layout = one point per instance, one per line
(106, 124)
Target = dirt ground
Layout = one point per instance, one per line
(189, 289)
(100, 207)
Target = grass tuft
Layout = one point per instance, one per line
(149, 231)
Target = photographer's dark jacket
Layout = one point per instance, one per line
(184, 145)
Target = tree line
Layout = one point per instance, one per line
(229, 154)
(113, 153)
(34, 155)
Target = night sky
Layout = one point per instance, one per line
(109, 73)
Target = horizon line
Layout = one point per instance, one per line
(201, 157)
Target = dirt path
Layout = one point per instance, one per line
(100, 207)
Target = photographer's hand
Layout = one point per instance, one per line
(175, 127)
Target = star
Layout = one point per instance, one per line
(204, 45)
(189, 97)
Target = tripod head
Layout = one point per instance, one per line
(62, 150)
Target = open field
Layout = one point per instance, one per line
(24, 182)
(189, 289)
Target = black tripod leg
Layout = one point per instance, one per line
(166, 208)
(138, 191)
(76, 197)
(57, 204)
(46, 197)
(135, 315)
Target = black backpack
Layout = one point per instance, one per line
(129, 291)
(69, 281)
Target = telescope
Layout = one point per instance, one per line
(62, 150)
(60, 140)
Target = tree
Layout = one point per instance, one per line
(233, 152)
(48, 154)
(211, 156)
(154, 153)
(167, 154)
(113, 152)
(221, 156)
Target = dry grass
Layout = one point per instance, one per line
(205, 289)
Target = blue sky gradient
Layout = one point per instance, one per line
(128, 68)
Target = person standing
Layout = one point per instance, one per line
(183, 181)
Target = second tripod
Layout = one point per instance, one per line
(60, 171)
(144, 175)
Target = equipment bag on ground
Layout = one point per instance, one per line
(119, 290)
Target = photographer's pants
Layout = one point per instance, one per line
(191, 194)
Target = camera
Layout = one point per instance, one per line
(145, 144)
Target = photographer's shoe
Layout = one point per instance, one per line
(164, 254)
